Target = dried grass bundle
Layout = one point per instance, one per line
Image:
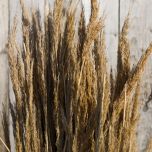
(65, 98)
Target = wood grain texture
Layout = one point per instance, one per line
(110, 11)
(140, 35)
(3, 62)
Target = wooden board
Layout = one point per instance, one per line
(3, 57)
(3, 61)
(140, 35)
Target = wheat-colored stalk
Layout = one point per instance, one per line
(66, 99)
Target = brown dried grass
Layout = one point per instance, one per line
(66, 100)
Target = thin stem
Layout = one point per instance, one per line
(4, 144)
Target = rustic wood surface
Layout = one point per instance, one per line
(115, 11)
(3, 60)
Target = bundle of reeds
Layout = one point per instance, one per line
(66, 100)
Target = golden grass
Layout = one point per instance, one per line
(66, 100)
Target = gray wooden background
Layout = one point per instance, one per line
(115, 11)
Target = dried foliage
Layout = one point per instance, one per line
(66, 100)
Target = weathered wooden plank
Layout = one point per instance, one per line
(140, 35)
(3, 40)
(110, 9)
(3, 61)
